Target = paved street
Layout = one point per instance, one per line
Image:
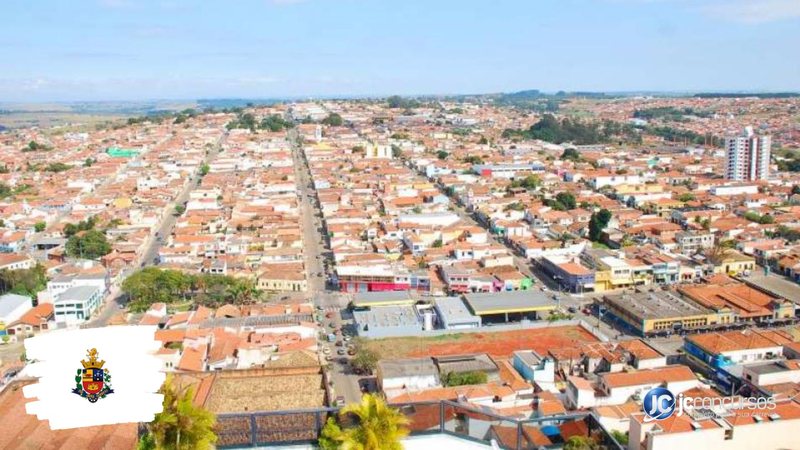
(114, 301)
(331, 303)
(314, 248)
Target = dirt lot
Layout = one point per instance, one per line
(500, 344)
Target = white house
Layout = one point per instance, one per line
(618, 388)
(398, 376)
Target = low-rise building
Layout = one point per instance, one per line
(726, 429)
(652, 312)
(398, 376)
(569, 274)
(536, 369)
(505, 306)
(453, 314)
(12, 307)
(76, 304)
(618, 388)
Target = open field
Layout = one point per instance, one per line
(52, 119)
(501, 344)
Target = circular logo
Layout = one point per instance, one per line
(659, 403)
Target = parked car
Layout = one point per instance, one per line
(572, 309)
(339, 400)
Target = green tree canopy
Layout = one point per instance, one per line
(377, 427)
(464, 378)
(564, 201)
(182, 424)
(570, 154)
(90, 244)
(334, 120)
(275, 123)
(598, 222)
(24, 281)
(71, 229)
(154, 285)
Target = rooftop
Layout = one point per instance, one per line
(654, 304)
(509, 301)
(387, 316)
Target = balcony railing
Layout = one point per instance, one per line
(278, 428)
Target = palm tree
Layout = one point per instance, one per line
(182, 424)
(580, 443)
(378, 427)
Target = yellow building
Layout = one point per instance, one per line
(735, 263)
(122, 203)
(633, 189)
(282, 280)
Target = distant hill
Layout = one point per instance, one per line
(747, 94)
(222, 103)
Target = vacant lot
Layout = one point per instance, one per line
(500, 344)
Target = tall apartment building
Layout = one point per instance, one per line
(748, 156)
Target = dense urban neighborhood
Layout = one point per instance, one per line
(517, 269)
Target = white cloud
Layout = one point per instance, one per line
(754, 11)
(286, 2)
(116, 4)
(742, 11)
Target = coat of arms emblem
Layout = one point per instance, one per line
(92, 382)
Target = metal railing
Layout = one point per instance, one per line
(291, 427)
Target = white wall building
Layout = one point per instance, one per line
(76, 304)
(747, 156)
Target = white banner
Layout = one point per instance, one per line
(96, 376)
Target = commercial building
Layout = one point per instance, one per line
(747, 156)
(507, 305)
(387, 321)
(12, 307)
(659, 312)
(77, 304)
(722, 354)
(453, 314)
(569, 274)
(745, 303)
(610, 271)
(374, 278)
(396, 376)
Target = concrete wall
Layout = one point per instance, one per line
(767, 435)
(399, 332)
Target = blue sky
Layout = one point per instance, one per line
(181, 49)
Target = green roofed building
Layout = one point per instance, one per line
(116, 152)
